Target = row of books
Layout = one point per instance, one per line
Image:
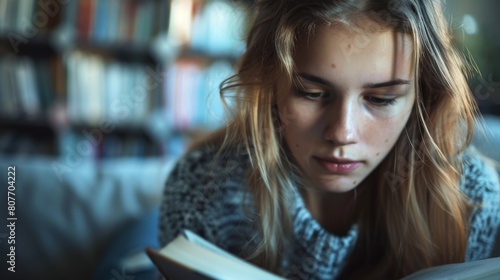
(108, 90)
(27, 86)
(212, 27)
(192, 94)
(120, 20)
(28, 17)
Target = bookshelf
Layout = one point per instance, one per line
(120, 78)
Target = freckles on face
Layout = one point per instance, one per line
(382, 135)
(349, 107)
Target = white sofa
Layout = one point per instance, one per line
(67, 224)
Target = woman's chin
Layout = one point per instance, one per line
(338, 186)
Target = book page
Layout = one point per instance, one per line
(482, 269)
(207, 259)
(191, 236)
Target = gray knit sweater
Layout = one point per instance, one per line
(208, 200)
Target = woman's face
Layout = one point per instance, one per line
(354, 95)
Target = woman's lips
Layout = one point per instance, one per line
(338, 166)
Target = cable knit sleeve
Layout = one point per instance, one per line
(184, 202)
(481, 184)
(206, 198)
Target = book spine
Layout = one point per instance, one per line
(100, 27)
(4, 10)
(11, 15)
(24, 14)
(114, 11)
(85, 18)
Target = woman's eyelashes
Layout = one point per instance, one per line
(312, 95)
(325, 96)
(379, 101)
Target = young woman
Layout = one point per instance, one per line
(347, 154)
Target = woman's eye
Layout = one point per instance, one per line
(377, 101)
(312, 95)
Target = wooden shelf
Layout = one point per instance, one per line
(120, 129)
(206, 56)
(122, 51)
(25, 123)
(38, 47)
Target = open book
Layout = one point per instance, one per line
(192, 257)
(487, 269)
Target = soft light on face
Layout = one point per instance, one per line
(354, 96)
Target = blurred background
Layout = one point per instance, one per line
(99, 98)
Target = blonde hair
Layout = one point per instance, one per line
(418, 221)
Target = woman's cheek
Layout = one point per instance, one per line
(381, 135)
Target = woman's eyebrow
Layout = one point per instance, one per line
(318, 80)
(395, 82)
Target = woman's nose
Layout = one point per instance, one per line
(342, 123)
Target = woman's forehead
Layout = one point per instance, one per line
(361, 31)
(377, 53)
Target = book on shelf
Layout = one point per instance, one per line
(218, 29)
(189, 256)
(16, 15)
(26, 87)
(106, 89)
(3, 16)
(192, 93)
(27, 18)
(106, 21)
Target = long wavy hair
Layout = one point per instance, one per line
(415, 216)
